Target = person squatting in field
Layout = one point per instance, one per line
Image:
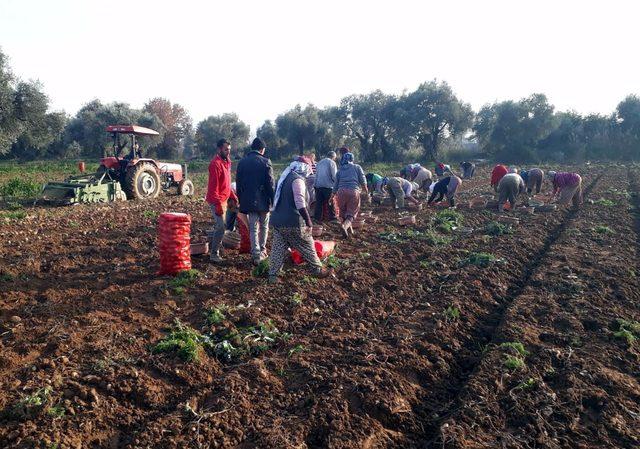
(496, 175)
(510, 187)
(350, 181)
(446, 186)
(400, 190)
(292, 222)
(567, 187)
(533, 179)
(254, 180)
(326, 172)
(468, 169)
(218, 193)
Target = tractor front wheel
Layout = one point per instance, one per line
(142, 181)
(185, 187)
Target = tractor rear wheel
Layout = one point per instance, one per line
(185, 187)
(142, 181)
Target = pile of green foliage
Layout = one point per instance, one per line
(184, 341)
(227, 342)
(429, 236)
(495, 229)
(627, 330)
(32, 405)
(515, 355)
(480, 260)
(447, 220)
(262, 269)
(605, 202)
(600, 229)
(184, 279)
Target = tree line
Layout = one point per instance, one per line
(429, 123)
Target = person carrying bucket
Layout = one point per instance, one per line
(292, 222)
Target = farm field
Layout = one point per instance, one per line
(515, 338)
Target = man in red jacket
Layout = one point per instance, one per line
(218, 192)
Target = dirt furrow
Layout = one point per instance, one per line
(556, 375)
(454, 401)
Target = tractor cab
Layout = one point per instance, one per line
(133, 132)
(125, 141)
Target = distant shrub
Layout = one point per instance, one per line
(20, 188)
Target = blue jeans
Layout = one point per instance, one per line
(230, 219)
(258, 232)
(218, 232)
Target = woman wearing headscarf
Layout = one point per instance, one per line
(567, 187)
(291, 222)
(420, 176)
(350, 180)
(441, 169)
(311, 179)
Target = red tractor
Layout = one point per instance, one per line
(141, 177)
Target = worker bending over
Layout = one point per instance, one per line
(510, 187)
(400, 190)
(445, 187)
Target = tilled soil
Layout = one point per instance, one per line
(374, 359)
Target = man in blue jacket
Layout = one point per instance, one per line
(255, 189)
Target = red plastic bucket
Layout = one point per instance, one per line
(323, 249)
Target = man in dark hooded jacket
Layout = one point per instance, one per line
(255, 189)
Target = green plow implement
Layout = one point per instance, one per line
(96, 188)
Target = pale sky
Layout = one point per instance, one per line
(260, 58)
